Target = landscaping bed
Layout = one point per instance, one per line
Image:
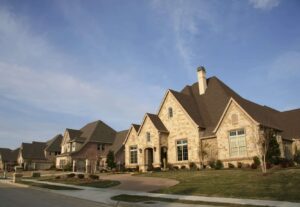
(82, 181)
(52, 187)
(278, 184)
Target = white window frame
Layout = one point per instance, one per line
(237, 143)
(182, 143)
(133, 149)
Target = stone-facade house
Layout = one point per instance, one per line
(203, 122)
(53, 148)
(86, 149)
(32, 156)
(8, 158)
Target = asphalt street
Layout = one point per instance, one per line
(12, 196)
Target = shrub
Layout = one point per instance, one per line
(110, 160)
(94, 177)
(230, 165)
(256, 161)
(170, 166)
(176, 168)
(297, 157)
(67, 167)
(254, 166)
(268, 165)
(35, 174)
(212, 164)
(156, 169)
(80, 176)
(239, 165)
(219, 165)
(71, 175)
(183, 167)
(57, 177)
(192, 166)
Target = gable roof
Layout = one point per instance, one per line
(136, 127)
(157, 122)
(54, 144)
(119, 140)
(33, 151)
(206, 109)
(73, 133)
(8, 155)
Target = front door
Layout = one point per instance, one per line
(149, 158)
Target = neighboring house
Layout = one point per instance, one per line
(207, 121)
(53, 148)
(86, 149)
(32, 156)
(8, 158)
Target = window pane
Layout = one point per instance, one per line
(179, 153)
(241, 132)
(185, 153)
(233, 133)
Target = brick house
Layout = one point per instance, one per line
(8, 158)
(85, 150)
(207, 121)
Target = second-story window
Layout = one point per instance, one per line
(170, 112)
(73, 146)
(148, 137)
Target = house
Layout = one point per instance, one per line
(8, 158)
(32, 156)
(86, 149)
(207, 121)
(53, 148)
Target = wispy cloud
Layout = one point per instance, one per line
(33, 71)
(264, 4)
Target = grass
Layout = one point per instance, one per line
(279, 184)
(52, 187)
(150, 200)
(83, 182)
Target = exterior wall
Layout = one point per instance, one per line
(132, 140)
(144, 144)
(210, 150)
(180, 126)
(67, 160)
(295, 146)
(251, 133)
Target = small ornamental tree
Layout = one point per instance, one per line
(110, 160)
(273, 152)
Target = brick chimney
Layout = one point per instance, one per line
(201, 72)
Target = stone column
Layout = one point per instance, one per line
(87, 166)
(74, 165)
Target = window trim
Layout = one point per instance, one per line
(238, 147)
(133, 150)
(182, 145)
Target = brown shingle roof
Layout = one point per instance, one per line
(136, 127)
(207, 109)
(8, 155)
(54, 144)
(157, 122)
(118, 142)
(33, 151)
(290, 122)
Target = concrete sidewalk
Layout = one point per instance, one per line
(103, 195)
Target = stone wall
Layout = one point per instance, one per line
(243, 122)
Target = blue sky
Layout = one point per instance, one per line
(66, 63)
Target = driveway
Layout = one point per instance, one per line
(136, 183)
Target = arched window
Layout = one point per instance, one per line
(170, 112)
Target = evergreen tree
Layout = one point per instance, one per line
(110, 160)
(273, 152)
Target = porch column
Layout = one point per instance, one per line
(87, 166)
(74, 165)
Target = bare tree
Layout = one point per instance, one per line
(263, 144)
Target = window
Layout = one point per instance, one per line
(101, 147)
(133, 154)
(73, 146)
(148, 136)
(170, 112)
(237, 143)
(182, 150)
(62, 163)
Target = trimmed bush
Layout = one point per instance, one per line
(67, 167)
(212, 164)
(239, 165)
(256, 161)
(219, 165)
(71, 175)
(297, 157)
(80, 176)
(176, 168)
(192, 166)
(230, 165)
(183, 167)
(253, 166)
(57, 177)
(157, 169)
(94, 177)
(35, 174)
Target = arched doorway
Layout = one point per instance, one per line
(149, 158)
(164, 157)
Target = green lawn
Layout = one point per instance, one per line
(83, 182)
(279, 184)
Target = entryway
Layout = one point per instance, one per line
(149, 158)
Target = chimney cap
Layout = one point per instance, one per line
(200, 68)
